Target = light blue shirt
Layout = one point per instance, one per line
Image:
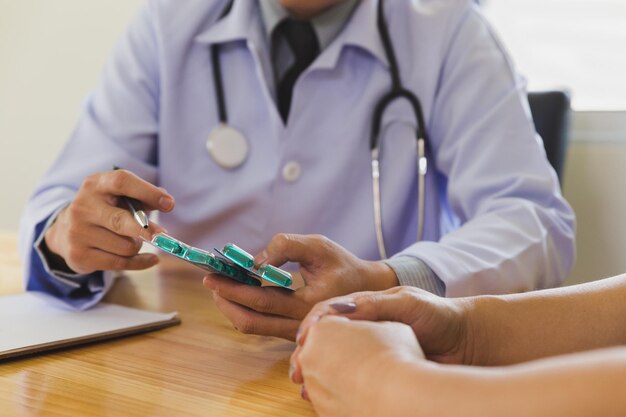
(495, 219)
(327, 25)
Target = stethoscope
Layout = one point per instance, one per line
(229, 148)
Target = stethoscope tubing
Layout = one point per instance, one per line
(397, 92)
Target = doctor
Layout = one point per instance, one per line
(242, 119)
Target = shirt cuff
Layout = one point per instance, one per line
(92, 282)
(414, 272)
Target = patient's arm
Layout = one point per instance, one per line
(516, 328)
(581, 384)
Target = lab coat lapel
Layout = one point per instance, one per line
(243, 23)
(234, 26)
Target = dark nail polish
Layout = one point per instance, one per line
(344, 308)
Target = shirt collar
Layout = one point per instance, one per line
(272, 14)
(361, 31)
(327, 25)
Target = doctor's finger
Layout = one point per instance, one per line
(252, 322)
(125, 183)
(303, 249)
(113, 243)
(120, 222)
(90, 260)
(103, 239)
(271, 300)
(109, 262)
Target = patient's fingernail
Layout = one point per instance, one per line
(291, 371)
(261, 258)
(344, 308)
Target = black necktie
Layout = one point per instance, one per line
(301, 38)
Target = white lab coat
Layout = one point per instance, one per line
(495, 220)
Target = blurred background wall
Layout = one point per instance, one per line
(51, 54)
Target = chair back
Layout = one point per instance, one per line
(551, 113)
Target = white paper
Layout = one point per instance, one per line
(33, 319)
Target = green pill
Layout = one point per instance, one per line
(215, 263)
(199, 256)
(206, 259)
(238, 255)
(275, 275)
(235, 272)
(170, 245)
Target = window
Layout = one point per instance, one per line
(579, 45)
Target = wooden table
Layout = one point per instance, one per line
(202, 367)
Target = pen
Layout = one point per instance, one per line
(140, 215)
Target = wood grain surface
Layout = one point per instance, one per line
(201, 368)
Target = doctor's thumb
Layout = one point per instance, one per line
(287, 248)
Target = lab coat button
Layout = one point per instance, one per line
(291, 171)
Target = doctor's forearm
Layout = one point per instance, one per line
(522, 327)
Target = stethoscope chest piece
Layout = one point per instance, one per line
(227, 146)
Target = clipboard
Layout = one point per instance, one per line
(34, 322)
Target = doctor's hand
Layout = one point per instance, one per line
(327, 269)
(443, 326)
(97, 232)
(353, 368)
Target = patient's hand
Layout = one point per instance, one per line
(442, 325)
(350, 368)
